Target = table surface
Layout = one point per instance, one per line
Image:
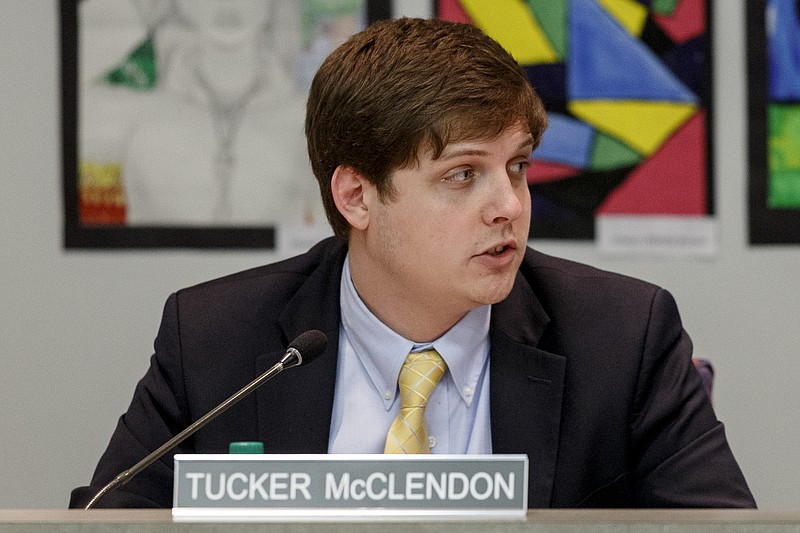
(673, 521)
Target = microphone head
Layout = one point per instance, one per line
(309, 345)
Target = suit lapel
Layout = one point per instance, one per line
(526, 385)
(294, 410)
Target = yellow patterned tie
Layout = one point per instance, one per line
(420, 374)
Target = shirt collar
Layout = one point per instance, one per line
(464, 347)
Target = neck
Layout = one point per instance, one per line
(417, 320)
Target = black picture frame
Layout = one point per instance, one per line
(82, 236)
(767, 226)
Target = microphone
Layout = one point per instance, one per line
(301, 351)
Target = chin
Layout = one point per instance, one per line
(496, 294)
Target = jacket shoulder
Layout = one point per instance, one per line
(580, 298)
(279, 279)
(546, 273)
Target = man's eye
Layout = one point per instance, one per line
(519, 167)
(460, 175)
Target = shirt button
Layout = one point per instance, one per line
(467, 390)
(431, 441)
(387, 394)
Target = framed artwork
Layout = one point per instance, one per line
(774, 111)
(183, 119)
(627, 86)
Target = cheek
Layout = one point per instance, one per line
(525, 202)
(444, 231)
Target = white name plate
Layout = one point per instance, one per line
(349, 487)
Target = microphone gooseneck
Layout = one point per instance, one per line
(301, 351)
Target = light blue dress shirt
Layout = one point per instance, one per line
(366, 396)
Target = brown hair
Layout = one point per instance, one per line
(407, 84)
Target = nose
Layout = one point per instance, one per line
(504, 198)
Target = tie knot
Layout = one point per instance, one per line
(420, 374)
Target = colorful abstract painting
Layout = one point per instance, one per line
(774, 77)
(627, 87)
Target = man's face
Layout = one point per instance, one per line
(454, 235)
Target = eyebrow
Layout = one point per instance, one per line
(475, 151)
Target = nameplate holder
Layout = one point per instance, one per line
(349, 487)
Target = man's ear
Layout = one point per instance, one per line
(348, 188)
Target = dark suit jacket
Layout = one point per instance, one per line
(590, 376)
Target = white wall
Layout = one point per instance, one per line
(76, 327)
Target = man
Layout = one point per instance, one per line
(419, 133)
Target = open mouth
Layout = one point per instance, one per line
(497, 250)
